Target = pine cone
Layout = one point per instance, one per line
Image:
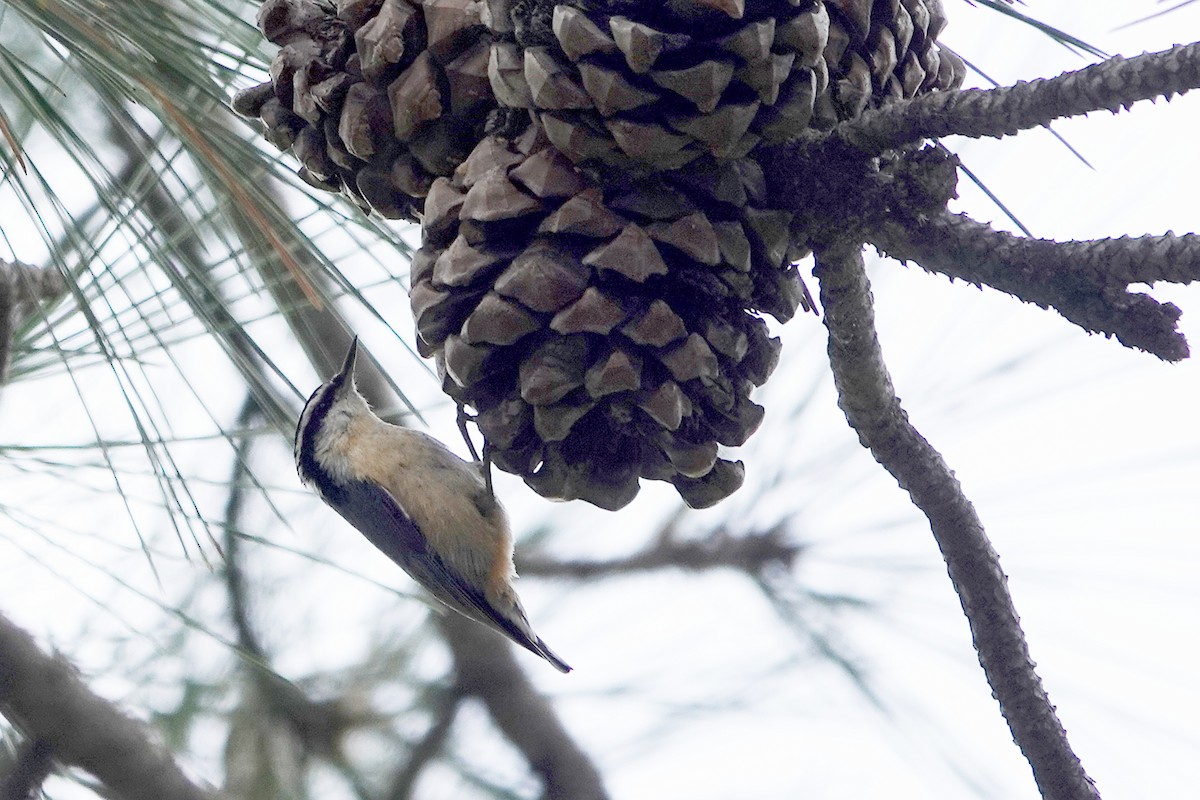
(880, 51)
(376, 98)
(654, 86)
(601, 330)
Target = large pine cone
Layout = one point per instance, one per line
(653, 86)
(601, 331)
(658, 85)
(375, 97)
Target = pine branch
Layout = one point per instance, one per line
(486, 668)
(898, 205)
(1086, 282)
(1111, 85)
(866, 396)
(44, 696)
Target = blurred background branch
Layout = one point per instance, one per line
(718, 549)
(45, 697)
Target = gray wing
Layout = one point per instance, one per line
(375, 513)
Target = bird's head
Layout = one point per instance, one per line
(326, 417)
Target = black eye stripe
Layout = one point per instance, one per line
(305, 416)
(306, 433)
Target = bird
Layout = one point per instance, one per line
(428, 510)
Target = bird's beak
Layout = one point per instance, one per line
(346, 375)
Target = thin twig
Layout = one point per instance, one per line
(44, 696)
(866, 396)
(235, 581)
(8, 303)
(22, 287)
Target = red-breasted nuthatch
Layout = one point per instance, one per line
(424, 507)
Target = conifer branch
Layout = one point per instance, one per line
(1111, 85)
(1086, 282)
(868, 399)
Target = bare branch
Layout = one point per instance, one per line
(751, 553)
(1111, 85)
(1087, 282)
(487, 669)
(866, 396)
(44, 696)
(235, 581)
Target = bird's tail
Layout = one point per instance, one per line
(513, 623)
(543, 650)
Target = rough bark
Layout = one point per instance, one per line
(867, 397)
